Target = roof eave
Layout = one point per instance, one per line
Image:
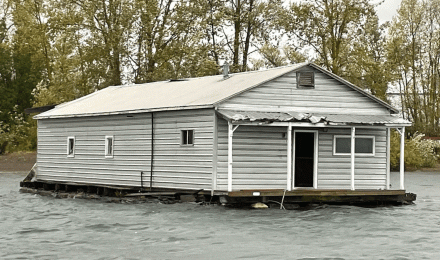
(317, 125)
(137, 111)
(391, 125)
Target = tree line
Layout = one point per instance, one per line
(53, 51)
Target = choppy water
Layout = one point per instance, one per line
(36, 227)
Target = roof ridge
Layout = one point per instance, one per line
(274, 68)
(217, 75)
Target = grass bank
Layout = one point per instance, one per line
(17, 162)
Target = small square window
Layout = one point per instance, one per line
(305, 79)
(364, 145)
(109, 144)
(187, 137)
(71, 146)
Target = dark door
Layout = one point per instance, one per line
(304, 154)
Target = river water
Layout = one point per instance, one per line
(37, 227)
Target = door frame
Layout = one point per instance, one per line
(315, 158)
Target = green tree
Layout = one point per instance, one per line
(329, 27)
(414, 54)
(169, 41)
(368, 66)
(251, 23)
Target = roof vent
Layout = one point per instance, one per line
(305, 79)
(226, 70)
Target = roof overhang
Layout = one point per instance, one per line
(311, 120)
(127, 112)
(41, 109)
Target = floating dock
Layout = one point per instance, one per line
(241, 198)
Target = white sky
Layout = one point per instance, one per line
(387, 10)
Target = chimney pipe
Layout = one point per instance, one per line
(225, 70)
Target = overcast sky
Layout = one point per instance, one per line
(387, 10)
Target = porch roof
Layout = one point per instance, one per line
(330, 120)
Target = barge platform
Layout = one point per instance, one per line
(242, 198)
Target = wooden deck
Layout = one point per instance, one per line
(243, 197)
(321, 196)
(313, 192)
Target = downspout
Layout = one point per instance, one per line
(152, 151)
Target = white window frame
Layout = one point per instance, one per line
(182, 131)
(357, 136)
(68, 146)
(107, 138)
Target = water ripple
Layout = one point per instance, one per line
(35, 227)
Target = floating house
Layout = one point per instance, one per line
(297, 131)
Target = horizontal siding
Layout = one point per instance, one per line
(174, 166)
(183, 167)
(334, 171)
(259, 157)
(328, 97)
(132, 139)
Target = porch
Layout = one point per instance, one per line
(319, 125)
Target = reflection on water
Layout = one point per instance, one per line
(36, 227)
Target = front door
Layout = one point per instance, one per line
(304, 158)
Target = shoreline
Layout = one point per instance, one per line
(17, 162)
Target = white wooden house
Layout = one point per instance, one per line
(288, 128)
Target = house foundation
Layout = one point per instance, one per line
(242, 198)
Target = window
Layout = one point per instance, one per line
(187, 137)
(305, 79)
(109, 144)
(70, 146)
(364, 145)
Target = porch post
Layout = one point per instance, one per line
(402, 159)
(388, 158)
(289, 157)
(230, 134)
(353, 132)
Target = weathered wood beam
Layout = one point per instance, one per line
(327, 192)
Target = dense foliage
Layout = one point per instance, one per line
(419, 152)
(413, 54)
(53, 51)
